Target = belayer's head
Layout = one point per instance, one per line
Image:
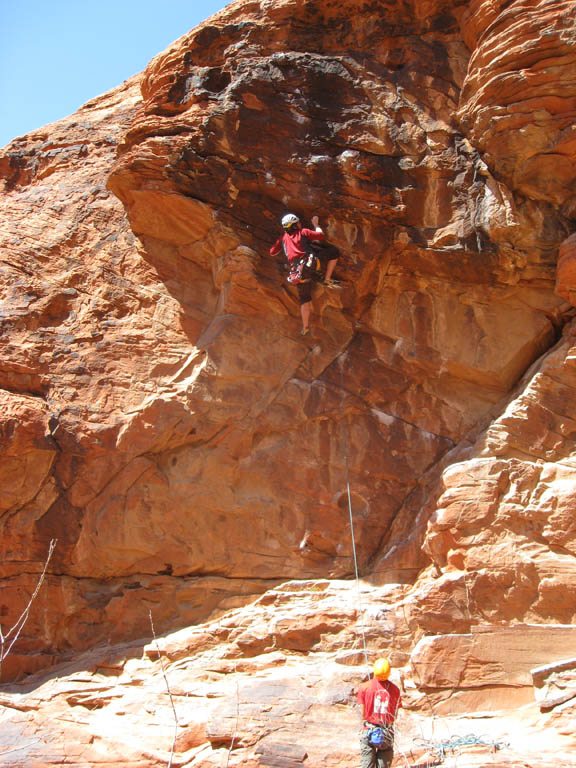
(290, 222)
(381, 669)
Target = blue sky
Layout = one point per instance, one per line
(55, 56)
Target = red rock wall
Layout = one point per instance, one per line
(162, 417)
(516, 105)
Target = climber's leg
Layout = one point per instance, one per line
(384, 758)
(305, 297)
(330, 268)
(328, 255)
(305, 310)
(367, 751)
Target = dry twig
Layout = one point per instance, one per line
(7, 640)
(232, 743)
(176, 724)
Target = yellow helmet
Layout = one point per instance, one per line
(382, 669)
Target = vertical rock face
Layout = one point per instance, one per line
(164, 420)
(516, 105)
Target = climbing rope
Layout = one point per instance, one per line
(351, 516)
(454, 745)
(439, 749)
(352, 535)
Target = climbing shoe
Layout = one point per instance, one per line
(330, 284)
(304, 331)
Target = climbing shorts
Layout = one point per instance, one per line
(325, 251)
(305, 292)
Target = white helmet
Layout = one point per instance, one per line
(289, 220)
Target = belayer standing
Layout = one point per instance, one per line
(296, 242)
(380, 701)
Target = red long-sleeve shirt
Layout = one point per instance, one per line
(293, 242)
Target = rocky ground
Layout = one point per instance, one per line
(273, 684)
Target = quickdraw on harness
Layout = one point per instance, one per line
(301, 269)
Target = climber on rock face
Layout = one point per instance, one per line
(380, 701)
(297, 244)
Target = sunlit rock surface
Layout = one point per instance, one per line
(163, 419)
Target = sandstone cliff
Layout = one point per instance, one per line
(191, 453)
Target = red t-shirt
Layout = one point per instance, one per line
(293, 242)
(380, 701)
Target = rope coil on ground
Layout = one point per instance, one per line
(456, 743)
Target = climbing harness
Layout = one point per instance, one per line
(302, 269)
